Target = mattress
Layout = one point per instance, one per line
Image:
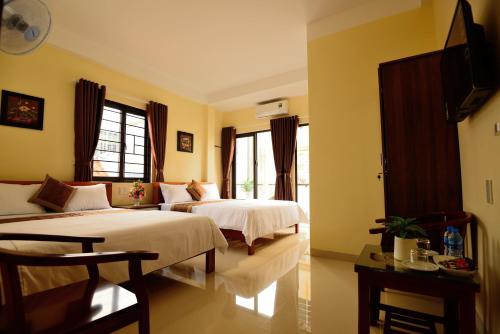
(176, 236)
(254, 218)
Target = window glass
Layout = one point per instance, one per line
(266, 172)
(244, 167)
(107, 153)
(121, 152)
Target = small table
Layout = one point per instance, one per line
(376, 272)
(139, 207)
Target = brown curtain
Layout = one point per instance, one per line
(89, 104)
(157, 115)
(284, 137)
(228, 142)
(1, 11)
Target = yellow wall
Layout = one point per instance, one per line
(244, 120)
(51, 73)
(344, 117)
(214, 126)
(480, 160)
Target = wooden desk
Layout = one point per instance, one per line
(375, 274)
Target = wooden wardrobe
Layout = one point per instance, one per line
(421, 159)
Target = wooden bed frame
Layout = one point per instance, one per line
(228, 234)
(209, 255)
(109, 186)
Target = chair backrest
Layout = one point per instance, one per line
(10, 260)
(435, 225)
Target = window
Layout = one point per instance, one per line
(244, 171)
(122, 152)
(266, 171)
(254, 171)
(255, 174)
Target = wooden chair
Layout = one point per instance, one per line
(90, 306)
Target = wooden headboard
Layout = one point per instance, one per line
(158, 197)
(109, 186)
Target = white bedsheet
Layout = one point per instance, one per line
(176, 236)
(254, 218)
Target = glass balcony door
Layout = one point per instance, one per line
(266, 172)
(254, 170)
(255, 173)
(244, 167)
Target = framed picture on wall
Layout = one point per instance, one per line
(21, 110)
(184, 142)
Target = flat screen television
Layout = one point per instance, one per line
(467, 66)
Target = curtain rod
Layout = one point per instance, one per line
(126, 96)
(121, 94)
(302, 119)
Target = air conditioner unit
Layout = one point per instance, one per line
(274, 108)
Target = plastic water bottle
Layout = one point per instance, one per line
(451, 242)
(445, 240)
(455, 243)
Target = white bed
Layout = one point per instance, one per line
(176, 236)
(253, 218)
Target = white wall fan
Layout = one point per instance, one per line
(25, 25)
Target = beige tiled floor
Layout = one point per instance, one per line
(280, 289)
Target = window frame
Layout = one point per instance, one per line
(126, 109)
(233, 164)
(255, 164)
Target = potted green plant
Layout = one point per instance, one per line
(406, 231)
(247, 187)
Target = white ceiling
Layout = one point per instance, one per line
(228, 53)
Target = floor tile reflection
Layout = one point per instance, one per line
(280, 289)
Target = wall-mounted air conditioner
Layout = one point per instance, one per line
(274, 108)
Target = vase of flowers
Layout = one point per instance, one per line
(137, 192)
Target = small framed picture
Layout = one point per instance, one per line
(184, 142)
(21, 110)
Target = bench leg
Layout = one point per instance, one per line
(210, 261)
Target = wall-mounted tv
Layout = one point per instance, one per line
(467, 66)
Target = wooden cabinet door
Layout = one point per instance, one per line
(421, 152)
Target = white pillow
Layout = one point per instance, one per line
(212, 192)
(174, 193)
(14, 199)
(88, 198)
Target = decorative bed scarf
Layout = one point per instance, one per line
(188, 206)
(89, 104)
(228, 142)
(8, 219)
(157, 115)
(284, 137)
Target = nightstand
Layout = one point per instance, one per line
(139, 207)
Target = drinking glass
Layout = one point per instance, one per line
(419, 255)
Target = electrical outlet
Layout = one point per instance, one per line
(497, 129)
(489, 191)
(122, 191)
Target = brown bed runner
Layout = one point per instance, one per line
(188, 206)
(60, 215)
